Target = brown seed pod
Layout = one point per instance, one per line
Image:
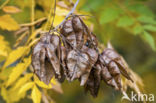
(112, 67)
(46, 58)
(92, 53)
(75, 33)
(110, 55)
(78, 66)
(93, 82)
(77, 58)
(73, 29)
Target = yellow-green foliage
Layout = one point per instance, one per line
(16, 74)
(20, 19)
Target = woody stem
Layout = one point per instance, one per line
(73, 9)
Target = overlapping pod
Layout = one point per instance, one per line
(78, 58)
(46, 58)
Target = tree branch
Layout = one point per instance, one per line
(73, 9)
(32, 14)
(34, 23)
(4, 4)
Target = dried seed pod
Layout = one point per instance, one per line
(78, 66)
(76, 33)
(63, 63)
(48, 73)
(93, 82)
(72, 39)
(67, 27)
(92, 53)
(109, 55)
(73, 29)
(36, 58)
(78, 58)
(110, 62)
(46, 58)
(77, 24)
(108, 78)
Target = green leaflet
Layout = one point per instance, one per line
(149, 39)
(125, 21)
(109, 15)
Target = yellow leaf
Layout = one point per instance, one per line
(23, 80)
(53, 81)
(8, 23)
(61, 11)
(26, 87)
(18, 70)
(4, 47)
(36, 95)
(4, 94)
(11, 9)
(33, 42)
(58, 20)
(33, 35)
(42, 84)
(14, 96)
(59, 17)
(5, 73)
(14, 55)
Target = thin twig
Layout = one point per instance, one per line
(53, 17)
(84, 15)
(71, 12)
(34, 23)
(4, 4)
(32, 14)
(49, 16)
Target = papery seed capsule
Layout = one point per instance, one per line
(77, 24)
(67, 27)
(46, 58)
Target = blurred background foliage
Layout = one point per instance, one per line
(130, 25)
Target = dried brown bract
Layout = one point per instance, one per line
(108, 68)
(74, 31)
(77, 58)
(81, 56)
(46, 58)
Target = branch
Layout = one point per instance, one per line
(53, 17)
(71, 12)
(4, 4)
(32, 14)
(35, 22)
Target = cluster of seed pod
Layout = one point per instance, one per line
(78, 58)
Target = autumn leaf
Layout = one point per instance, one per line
(61, 11)
(36, 95)
(42, 84)
(26, 87)
(14, 96)
(18, 70)
(8, 23)
(11, 9)
(4, 94)
(4, 45)
(14, 55)
(22, 80)
(5, 73)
